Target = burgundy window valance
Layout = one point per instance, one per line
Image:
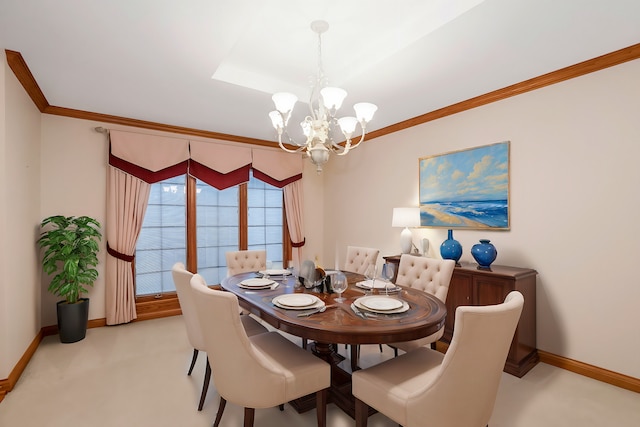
(222, 165)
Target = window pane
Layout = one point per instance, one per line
(162, 240)
(217, 220)
(265, 219)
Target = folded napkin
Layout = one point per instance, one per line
(378, 284)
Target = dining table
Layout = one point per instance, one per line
(412, 314)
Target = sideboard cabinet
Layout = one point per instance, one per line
(471, 286)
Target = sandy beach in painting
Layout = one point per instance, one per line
(453, 220)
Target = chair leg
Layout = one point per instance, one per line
(205, 385)
(395, 352)
(380, 347)
(193, 361)
(221, 406)
(433, 345)
(304, 343)
(249, 415)
(321, 407)
(354, 357)
(362, 413)
(281, 407)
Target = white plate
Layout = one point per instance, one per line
(275, 272)
(297, 301)
(256, 288)
(382, 304)
(256, 283)
(379, 284)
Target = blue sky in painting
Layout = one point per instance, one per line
(471, 175)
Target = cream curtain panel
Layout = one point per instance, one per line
(137, 160)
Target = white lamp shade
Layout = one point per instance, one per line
(332, 97)
(284, 101)
(406, 217)
(365, 111)
(348, 125)
(276, 119)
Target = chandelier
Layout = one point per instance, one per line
(320, 127)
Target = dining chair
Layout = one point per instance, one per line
(245, 261)
(260, 371)
(182, 278)
(426, 388)
(359, 258)
(430, 275)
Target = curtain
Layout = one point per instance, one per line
(127, 198)
(293, 209)
(138, 160)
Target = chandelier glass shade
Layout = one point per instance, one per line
(321, 127)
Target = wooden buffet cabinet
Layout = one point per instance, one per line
(471, 286)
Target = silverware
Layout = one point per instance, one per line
(358, 312)
(317, 310)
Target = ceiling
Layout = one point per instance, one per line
(153, 60)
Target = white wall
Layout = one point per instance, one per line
(19, 214)
(574, 204)
(74, 174)
(574, 200)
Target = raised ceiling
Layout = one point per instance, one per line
(212, 65)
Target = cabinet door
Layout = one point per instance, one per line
(490, 290)
(459, 294)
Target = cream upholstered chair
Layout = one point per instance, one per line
(429, 275)
(245, 261)
(426, 388)
(182, 278)
(359, 258)
(261, 371)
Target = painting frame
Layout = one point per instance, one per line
(466, 189)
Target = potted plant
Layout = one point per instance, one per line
(71, 252)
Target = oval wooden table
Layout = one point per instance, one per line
(339, 324)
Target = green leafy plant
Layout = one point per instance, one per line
(71, 251)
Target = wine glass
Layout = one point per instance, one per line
(387, 274)
(339, 284)
(370, 274)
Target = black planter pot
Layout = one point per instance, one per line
(72, 320)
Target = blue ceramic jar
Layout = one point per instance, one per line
(451, 248)
(484, 253)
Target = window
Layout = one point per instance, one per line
(164, 237)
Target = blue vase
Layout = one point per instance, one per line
(484, 253)
(451, 248)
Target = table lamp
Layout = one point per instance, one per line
(406, 217)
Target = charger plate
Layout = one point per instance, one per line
(381, 304)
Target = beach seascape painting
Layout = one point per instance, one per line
(466, 189)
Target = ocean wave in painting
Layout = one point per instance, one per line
(476, 214)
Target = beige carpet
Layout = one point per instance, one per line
(135, 375)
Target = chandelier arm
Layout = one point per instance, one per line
(291, 142)
(361, 139)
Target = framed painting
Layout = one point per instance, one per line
(467, 189)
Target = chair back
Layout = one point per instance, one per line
(233, 359)
(427, 274)
(466, 385)
(181, 279)
(245, 261)
(359, 258)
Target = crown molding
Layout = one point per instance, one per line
(21, 70)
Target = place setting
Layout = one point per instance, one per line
(307, 304)
(258, 283)
(376, 305)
